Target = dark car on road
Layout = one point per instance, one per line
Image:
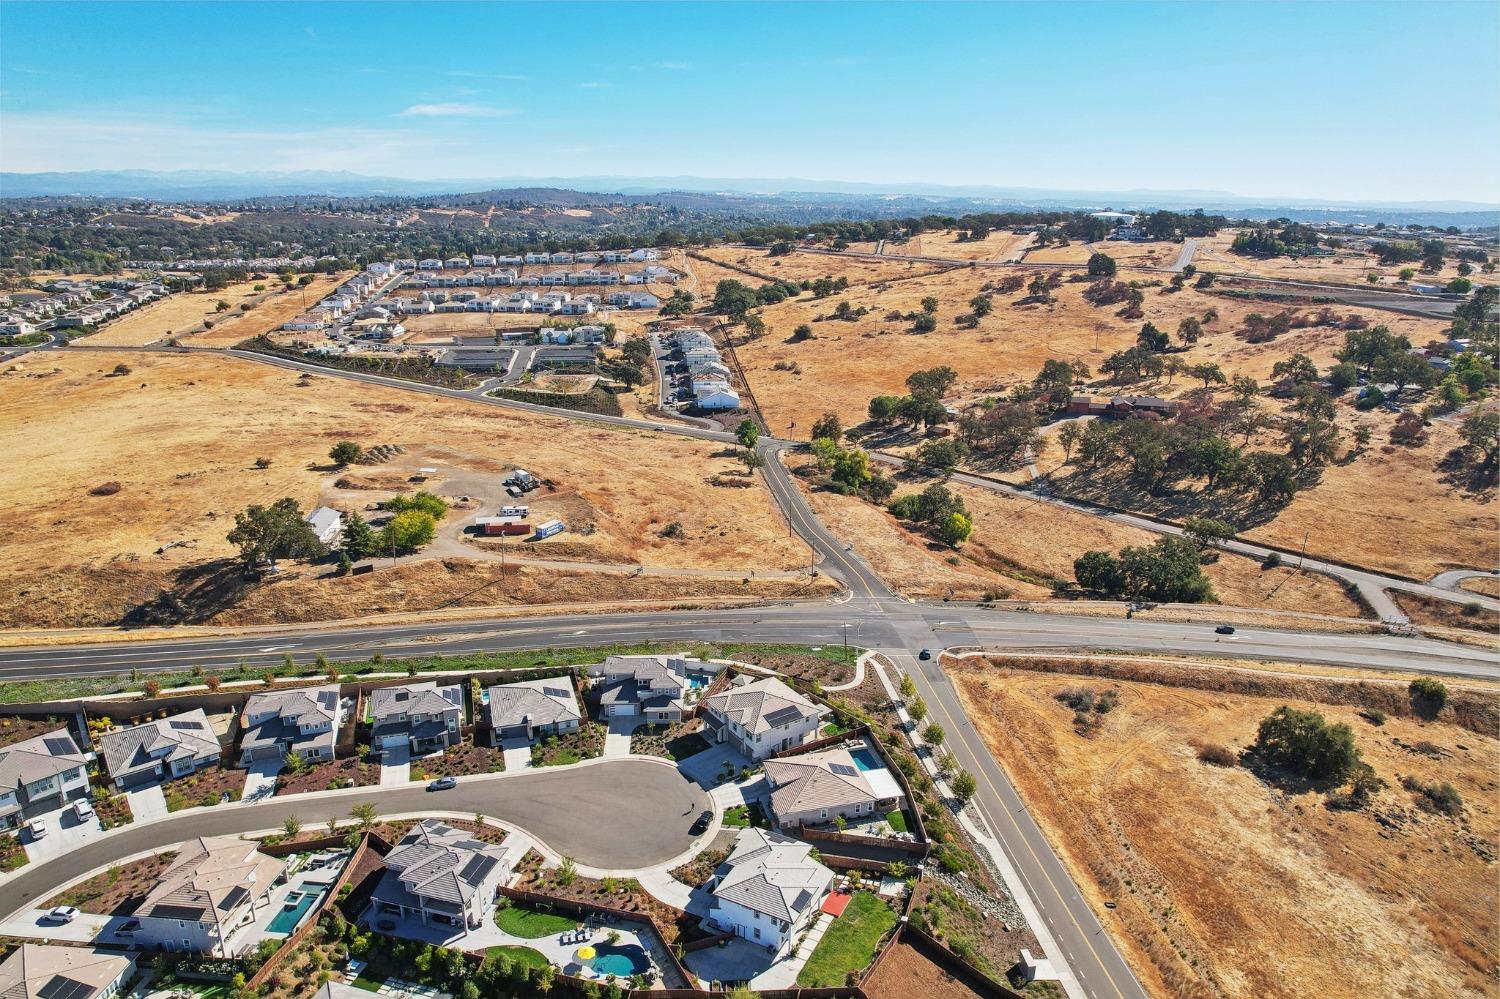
(443, 784)
(700, 824)
(925, 654)
(1224, 629)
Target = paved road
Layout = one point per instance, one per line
(1450, 580)
(1372, 585)
(613, 814)
(1185, 255)
(1095, 962)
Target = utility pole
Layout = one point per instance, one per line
(846, 641)
(1302, 560)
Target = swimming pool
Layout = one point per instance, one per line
(294, 908)
(697, 682)
(866, 760)
(620, 961)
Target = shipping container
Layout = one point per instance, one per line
(548, 529)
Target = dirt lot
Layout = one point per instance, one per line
(181, 435)
(904, 972)
(178, 313)
(1228, 885)
(1346, 267)
(118, 891)
(1160, 253)
(804, 267)
(1002, 244)
(272, 310)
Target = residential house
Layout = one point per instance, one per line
(39, 775)
(43, 971)
(440, 876)
(715, 394)
(657, 689)
(533, 708)
(456, 263)
(763, 718)
(768, 890)
(818, 787)
(421, 716)
(482, 260)
(326, 523)
(304, 721)
(207, 899)
(160, 750)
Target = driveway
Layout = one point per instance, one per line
(395, 766)
(147, 803)
(741, 793)
(617, 739)
(260, 780)
(617, 815)
(65, 833)
(31, 923)
(705, 768)
(517, 752)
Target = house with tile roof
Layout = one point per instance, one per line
(819, 787)
(206, 901)
(440, 876)
(763, 718)
(423, 717)
(768, 890)
(40, 774)
(160, 750)
(656, 689)
(42, 971)
(531, 708)
(304, 721)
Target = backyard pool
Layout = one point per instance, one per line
(295, 907)
(622, 961)
(866, 760)
(697, 682)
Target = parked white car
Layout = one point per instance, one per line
(62, 914)
(37, 828)
(84, 810)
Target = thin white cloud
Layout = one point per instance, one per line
(455, 109)
(470, 74)
(674, 65)
(594, 85)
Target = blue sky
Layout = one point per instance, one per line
(1339, 101)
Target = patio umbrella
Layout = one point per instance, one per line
(585, 954)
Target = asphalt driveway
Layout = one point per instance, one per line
(616, 815)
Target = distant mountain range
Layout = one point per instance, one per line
(206, 185)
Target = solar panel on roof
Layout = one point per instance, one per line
(234, 897)
(169, 911)
(62, 987)
(842, 769)
(185, 726)
(477, 869)
(58, 746)
(782, 715)
(554, 692)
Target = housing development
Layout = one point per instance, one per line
(479, 526)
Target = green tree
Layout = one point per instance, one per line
(1100, 572)
(408, 531)
(363, 815)
(827, 426)
(917, 709)
(1428, 696)
(964, 786)
(1190, 330)
(929, 304)
(883, 408)
(733, 299)
(428, 503)
(824, 451)
(359, 538)
(292, 826)
(345, 453)
(750, 459)
(1481, 430)
(747, 433)
(955, 529)
(1206, 532)
(268, 533)
(934, 382)
(934, 734)
(1068, 438)
(981, 305)
(1304, 743)
(1102, 265)
(851, 469)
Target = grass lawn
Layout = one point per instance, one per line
(368, 984)
(850, 942)
(519, 921)
(528, 957)
(896, 820)
(744, 816)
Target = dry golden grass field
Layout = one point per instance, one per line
(1232, 884)
(807, 266)
(175, 314)
(273, 309)
(1159, 253)
(1002, 244)
(1489, 586)
(1349, 266)
(1021, 547)
(1395, 509)
(181, 434)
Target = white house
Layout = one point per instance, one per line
(456, 263)
(440, 876)
(423, 717)
(40, 774)
(160, 750)
(819, 787)
(763, 718)
(715, 395)
(326, 523)
(768, 890)
(205, 902)
(529, 708)
(656, 689)
(304, 721)
(43, 971)
(482, 260)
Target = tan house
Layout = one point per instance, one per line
(209, 895)
(40, 971)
